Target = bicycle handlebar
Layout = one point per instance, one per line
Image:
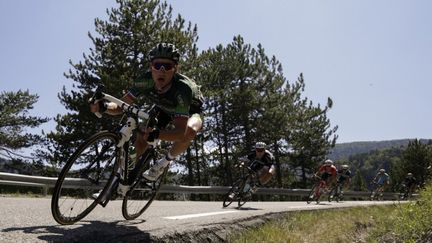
(131, 109)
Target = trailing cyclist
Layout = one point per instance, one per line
(381, 180)
(344, 179)
(178, 103)
(409, 185)
(261, 162)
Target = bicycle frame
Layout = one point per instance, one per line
(124, 178)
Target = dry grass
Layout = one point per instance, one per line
(341, 225)
(410, 222)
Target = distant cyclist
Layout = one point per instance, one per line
(261, 162)
(382, 178)
(409, 184)
(344, 178)
(328, 173)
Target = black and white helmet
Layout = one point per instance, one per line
(165, 50)
(260, 145)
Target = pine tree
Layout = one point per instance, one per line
(14, 119)
(311, 136)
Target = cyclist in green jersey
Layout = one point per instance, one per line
(178, 101)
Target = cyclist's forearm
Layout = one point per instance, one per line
(172, 135)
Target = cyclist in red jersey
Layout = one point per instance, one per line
(328, 173)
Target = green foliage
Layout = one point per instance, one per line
(368, 164)
(417, 159)
(340, 225)
(358, 182)
(411, 222)
(14, 119)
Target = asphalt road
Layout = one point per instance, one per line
(30, 220)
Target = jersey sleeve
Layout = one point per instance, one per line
(183, 100)
(139, 85)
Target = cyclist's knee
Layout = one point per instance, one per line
(189, 135)
(194, 123)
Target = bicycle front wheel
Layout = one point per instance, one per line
(141, 193)
(311, 195)
(85, 178)
(232, 193)
(245, 193)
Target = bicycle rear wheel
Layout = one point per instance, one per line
(232, 193)
(86, 178)
(141, 193)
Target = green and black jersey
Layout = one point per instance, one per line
(183, 98)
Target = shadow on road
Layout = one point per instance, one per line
(248, 208)
(89, 231)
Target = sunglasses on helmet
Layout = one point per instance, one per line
(166, 66)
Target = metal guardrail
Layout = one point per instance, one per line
(49, 182)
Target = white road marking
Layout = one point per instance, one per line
(200, 215)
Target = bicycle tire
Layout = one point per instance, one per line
(102, 155)
(141, 193)
(244, 196)
(234, 189)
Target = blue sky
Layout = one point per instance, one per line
(373, 58)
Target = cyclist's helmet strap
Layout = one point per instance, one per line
(166, 51)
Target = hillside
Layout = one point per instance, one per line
(343, 150)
